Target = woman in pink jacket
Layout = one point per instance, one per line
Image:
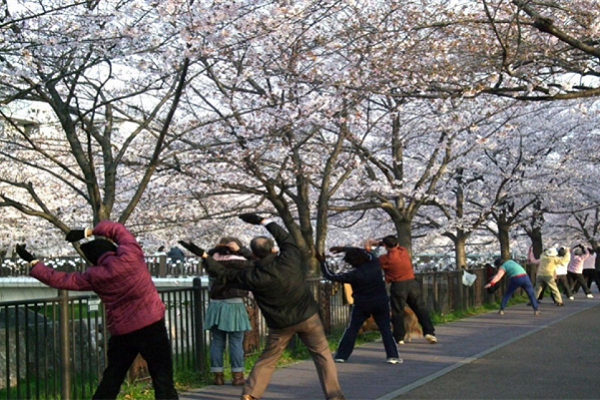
(134, 311)
(575, 269)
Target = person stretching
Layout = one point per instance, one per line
(518, 279)
(370, 298)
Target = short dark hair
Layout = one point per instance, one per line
(356, 257)
(390, 241)
(498, 262)
(262, 246)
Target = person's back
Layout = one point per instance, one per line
(512, 268)
(396, 264)
(550, 260)
(370, 299)
(278, 283)
(578, 255)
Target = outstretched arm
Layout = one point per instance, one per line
(496, 278)
(347, 277)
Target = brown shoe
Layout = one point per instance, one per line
(248, 397)
(238, 379)
(219, 379)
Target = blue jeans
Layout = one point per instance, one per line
(516, 282)
(218, 340)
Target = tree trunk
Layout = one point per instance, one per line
(403, 228)
(503, 236)
(536, 241)
(460, 251)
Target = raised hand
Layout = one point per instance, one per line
(251, 218)
(75, 235)
(24, 254)
(192, 248)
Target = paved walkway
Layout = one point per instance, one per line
(366, 375)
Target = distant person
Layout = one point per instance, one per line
(518, 279)
(176, 254)
(135, 313)
(278, 283)
(370, 298)
(490, 272)
(546, 273)
(226, 316)
(561, 277)
(589, 272)
(579, 254)
(161, 251)
(404, 289)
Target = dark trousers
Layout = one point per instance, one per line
(561, 280)
(313, 336)
(575, 279)
(590, 275)
(153, 344)
(360, 312)
(408, 293)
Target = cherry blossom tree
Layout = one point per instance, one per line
(89, 96)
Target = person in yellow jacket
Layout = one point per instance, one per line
(546, 274)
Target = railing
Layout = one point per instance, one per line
(56, 348)
(159, 266)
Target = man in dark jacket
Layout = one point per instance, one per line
(278, 283)
(370, 298)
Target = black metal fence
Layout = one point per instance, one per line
(56, 348)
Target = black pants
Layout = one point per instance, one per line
(590, 275)
(575, 279)
(380, 310)
(561, 280)
(408, 293)
(153, 344)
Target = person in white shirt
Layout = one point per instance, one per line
(589, 272)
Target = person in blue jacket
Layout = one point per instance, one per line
(370, 298)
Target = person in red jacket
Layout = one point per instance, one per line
(134, 311)
(404, 288)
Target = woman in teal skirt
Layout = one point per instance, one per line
(226, 316)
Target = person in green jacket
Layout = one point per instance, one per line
(518, 279)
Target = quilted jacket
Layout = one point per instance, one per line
(121, 280)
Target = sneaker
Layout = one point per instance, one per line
(571, 298)
(339, 360)
(536, 312)
(400, 341)
(431, 339)
(501, 312)
(589, 296)
(394, 361)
